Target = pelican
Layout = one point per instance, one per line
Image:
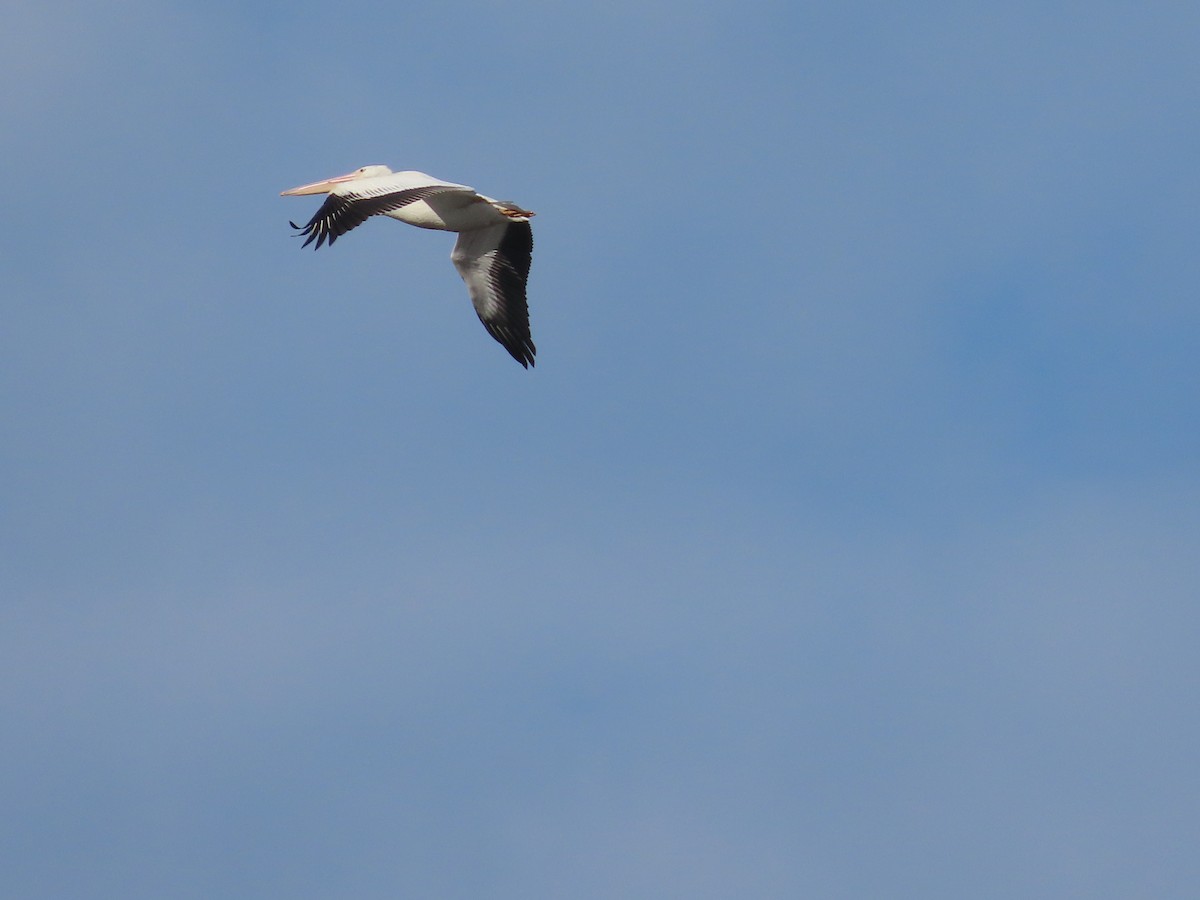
(492, 254)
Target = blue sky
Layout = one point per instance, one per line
(841, 544)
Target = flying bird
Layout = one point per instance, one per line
(492, 254)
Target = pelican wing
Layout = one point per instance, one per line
(342, 212)
(494, 262)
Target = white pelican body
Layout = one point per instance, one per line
(492, 254)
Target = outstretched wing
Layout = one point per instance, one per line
(340, 213)
(494, 262)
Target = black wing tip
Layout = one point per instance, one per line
(519, 346)
(309, 233)
(522, 353)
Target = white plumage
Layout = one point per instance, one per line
(492, 254)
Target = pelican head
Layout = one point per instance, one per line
(324, 187)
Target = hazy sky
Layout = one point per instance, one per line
(842, 543)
